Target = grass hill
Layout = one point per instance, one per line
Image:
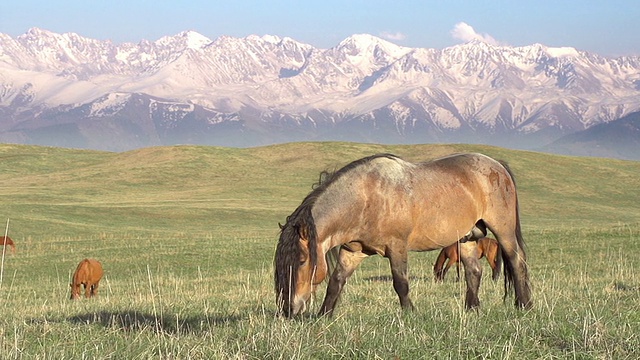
(190, 188)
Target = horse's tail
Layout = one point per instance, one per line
(437, 267)
(509, 272)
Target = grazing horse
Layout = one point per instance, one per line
(385, 205)
(6, 241)
(88, 273)
(485, 247)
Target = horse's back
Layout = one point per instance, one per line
(470, 165)
(95, 270)
(5, 241)
(488, 243)
(88, 270)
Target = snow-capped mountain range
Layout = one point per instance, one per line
(68, 90)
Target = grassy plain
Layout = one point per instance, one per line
(187, 235)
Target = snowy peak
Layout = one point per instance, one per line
(369, 50)
(184, 40)
(368, 44)
(42, 49)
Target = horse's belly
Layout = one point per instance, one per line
(428, 244)
(436, 237)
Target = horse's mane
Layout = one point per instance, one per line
(301, 223)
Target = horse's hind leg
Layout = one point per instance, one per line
(516, 274)
(398, 261)
(515, 266)
(348, 261)
(472, 272)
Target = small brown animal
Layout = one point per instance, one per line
(6, 241)
(487, 247)
(88, 273)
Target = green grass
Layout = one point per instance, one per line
(187, 235)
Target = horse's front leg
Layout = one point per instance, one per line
(472, 272)
(398, 260)
(94, 289)
(348, 261)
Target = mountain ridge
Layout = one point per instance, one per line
(617, 139)
(364, 86)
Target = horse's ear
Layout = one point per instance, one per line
(280, 226)
(304, 248)
(303, 232)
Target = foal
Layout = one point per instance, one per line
(88, 273)
(487, 247)
(6, 241)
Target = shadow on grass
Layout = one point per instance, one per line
(137, 321)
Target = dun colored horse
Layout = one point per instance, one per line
(88, 274)
(485, 247)
(6, 241)
(384, 205)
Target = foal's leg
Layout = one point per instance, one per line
(446, 268)
(94, 289)
(492, 264)
(497, 252)
(348, 261)
(398, 261)
(472, 271)
(492, 258)
(455, 258)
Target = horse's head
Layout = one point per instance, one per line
(75, 291)
(299, 266)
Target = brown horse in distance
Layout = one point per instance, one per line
(88, 273)
(486, 247)
(6, 241)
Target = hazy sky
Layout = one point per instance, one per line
(607, 27)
